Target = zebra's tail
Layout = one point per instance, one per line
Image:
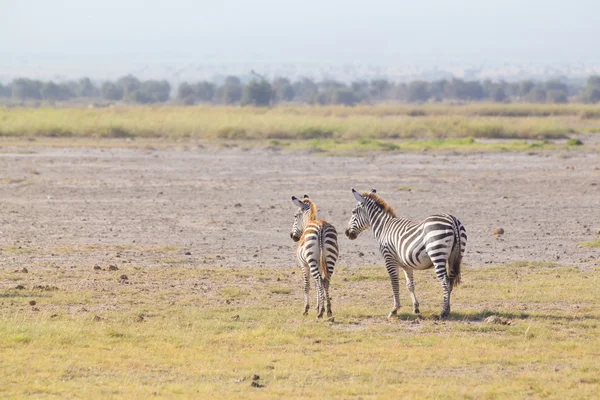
(323, 255)
(455, 258)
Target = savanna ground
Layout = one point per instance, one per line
(205, 293)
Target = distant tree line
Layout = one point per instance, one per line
(261, 92)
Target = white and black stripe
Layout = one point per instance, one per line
(317, 252)
(439, 241)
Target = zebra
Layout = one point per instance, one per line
(438, 241)
(317, 251)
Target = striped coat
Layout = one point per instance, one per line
(317, 252)
(437, 242)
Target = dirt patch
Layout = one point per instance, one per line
(231, 207)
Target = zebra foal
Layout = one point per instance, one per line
(438, 241)
(317, 251)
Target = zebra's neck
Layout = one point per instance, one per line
(378, 220)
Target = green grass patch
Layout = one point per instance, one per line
(16, 250)
(593, 243)
(516, 121)
(211, 333)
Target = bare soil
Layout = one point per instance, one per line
(231, 206)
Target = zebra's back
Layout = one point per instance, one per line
(418, 245)
(318, 246)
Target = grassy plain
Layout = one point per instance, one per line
(180, 330)
(510, 121)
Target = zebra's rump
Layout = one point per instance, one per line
(318, 246)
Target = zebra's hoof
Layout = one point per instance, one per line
(329, 313)
(444, 314)
(392, 314)
(416, 310)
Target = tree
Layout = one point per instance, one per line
(537, 95)
(85, 88)
(437, 89)
(231, 90)
(53, 92)
(417, 91)
(153, 91)
(5, 90)
(282, 90)
(525, 87)
(380, 89)
(128, 84)
(497, 93)
(184, 91)
(464, 90)
(556, 85)
(306, 91)
(361, 90)
(258, 93)
(557, 96)
(111, 91)
(138, 96)
(591, 93)
(23, 89)
(204, 91)
(342, 96)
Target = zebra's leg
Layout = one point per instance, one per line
(440, 271)
(306, 278)
(320, 297)
(392, 267)
(327, 298)
(410, 285)
(314, 270)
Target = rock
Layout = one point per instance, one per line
(498, 231)
(46, 288)
(255, 377)
(124, 277)
(24, 270)
(237, 205)
(35, 309)
(32, 303)
(235, 317)
(20, 287)
(112, 268)
(494, 319)
(256, 384)
(97, 318)
(97, 267)
(361, 254)
(187, 253)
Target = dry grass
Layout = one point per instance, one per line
(304, 122)
(199, 332)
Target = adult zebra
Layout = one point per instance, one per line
(317, 251)
(438, 241)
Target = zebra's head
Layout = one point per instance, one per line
(360, 219)
(306, 212)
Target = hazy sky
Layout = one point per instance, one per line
(374, 31)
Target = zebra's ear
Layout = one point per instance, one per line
(297, 202)
(306, 196)
(358, 196)
(373, 191)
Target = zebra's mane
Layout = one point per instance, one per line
(381, 203)
(313, 208)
